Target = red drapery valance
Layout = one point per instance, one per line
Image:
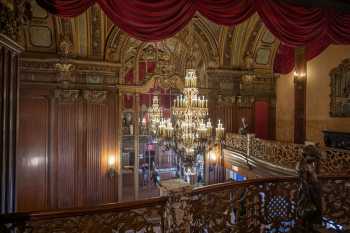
(152, 20)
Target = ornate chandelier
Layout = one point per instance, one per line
(192, 129)
(155, 116)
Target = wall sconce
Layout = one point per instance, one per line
(299, 76)
(212, 155)
(299, 80)
(111, 166)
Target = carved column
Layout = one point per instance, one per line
(9, 85)
(300, 96)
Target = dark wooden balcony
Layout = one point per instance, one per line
(261, 205)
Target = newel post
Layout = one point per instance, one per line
(177, 214)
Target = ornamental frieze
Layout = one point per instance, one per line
(94, 96)
(66, 96)
(69, 70)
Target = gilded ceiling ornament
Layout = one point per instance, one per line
(65, 45)
(170, 82)
(64, 68)
(65, 73)
(249, 61)
(149, 52)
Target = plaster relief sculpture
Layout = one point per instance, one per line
(340, 90)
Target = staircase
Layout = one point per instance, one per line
(273, 158)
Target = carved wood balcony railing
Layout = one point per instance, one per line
(258, 205)
(333, 161)
(138, 216)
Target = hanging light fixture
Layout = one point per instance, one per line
(155, 114)
(189, 129)
(193, 128)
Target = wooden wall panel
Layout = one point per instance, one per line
(230, 115)
(75, 137)
(33, 154)
(101, 142)
(67, 157)
(9, 84)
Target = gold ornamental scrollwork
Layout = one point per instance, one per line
(333, 161)
(169, 82)
(173, 81)
(66, 96)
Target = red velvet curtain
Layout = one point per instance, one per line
(294, 25)
(152, 20)
(226, 12)
(66, 8)
(149, 20)
(284, 59)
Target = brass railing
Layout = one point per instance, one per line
(251, 206)
(333, 161)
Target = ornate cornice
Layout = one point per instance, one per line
(68, 72)
(235, 73)
(90, 64)
(90, 96)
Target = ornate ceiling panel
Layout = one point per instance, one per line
(92, 36)
(265, 50)
(39, 36)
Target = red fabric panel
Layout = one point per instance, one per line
(284, 59)
(142, 69)
(145, 99)
(339, 27)
(151, 66)
(153, 20)
(129, 77)
(226, 12)
(294, 25)
(66, 8)
(128, 101)
(149, 20)
(262, 119)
